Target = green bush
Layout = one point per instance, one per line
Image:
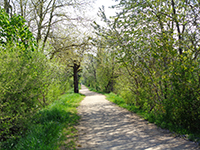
(27, 84)
(20, 84)
(51, 126)
(28, 80)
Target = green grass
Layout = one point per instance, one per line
(121, 102)
(94, 90)
(52, 127)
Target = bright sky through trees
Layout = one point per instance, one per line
(106, 3)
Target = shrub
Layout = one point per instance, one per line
(20, 80)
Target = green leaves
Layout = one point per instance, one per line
(14, 31)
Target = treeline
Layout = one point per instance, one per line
(29, 80)
(149, 55)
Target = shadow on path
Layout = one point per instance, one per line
(107, 126)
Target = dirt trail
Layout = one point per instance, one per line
(106, 126)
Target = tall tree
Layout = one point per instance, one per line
(70, 50)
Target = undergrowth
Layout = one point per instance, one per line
(52, 128)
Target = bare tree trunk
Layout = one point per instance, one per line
(21, 7)
(49, 25)
(41, 18)
(6, 6)
(75, 75)
(178, 28)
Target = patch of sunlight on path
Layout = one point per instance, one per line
(106, 126)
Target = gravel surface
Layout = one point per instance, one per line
(104, 125)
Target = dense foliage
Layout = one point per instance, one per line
(156, 45)
(52, 127)
(28, 80)
(14, 31)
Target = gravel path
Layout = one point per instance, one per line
(106, 126)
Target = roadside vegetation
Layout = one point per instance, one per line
(51, 127)
(149, 55)
(176, 131)
(33, 114)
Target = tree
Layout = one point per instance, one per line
(70, 50)
(7, 6)
(43, 16)
(156, 45)
(101, 70)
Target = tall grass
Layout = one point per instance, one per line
(52, 128)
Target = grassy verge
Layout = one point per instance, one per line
(121, 102)
(52, 127)
(94, 90)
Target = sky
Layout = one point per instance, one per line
(91, 12)
(107, 4)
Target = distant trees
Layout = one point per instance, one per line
(100, 71)
(90, 71)
(157, 47)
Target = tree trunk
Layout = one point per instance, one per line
(75, 68)
(6, 6)
(21, 7)
(41, 18)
